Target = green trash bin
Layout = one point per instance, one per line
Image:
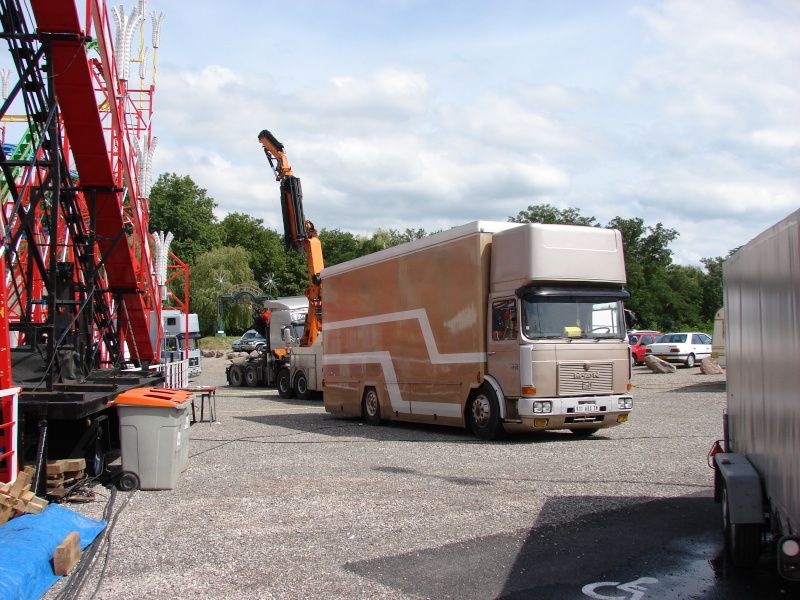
(154, 437)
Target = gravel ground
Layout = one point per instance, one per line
(282, 500)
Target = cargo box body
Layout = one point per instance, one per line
(414, 324)
(762, 327)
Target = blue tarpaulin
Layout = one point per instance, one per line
(27, 544)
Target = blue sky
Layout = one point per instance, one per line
(433, 113)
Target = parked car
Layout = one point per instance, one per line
(686, 348)
(251, 340)
(639, 341)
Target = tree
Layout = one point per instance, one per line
(647, 258)
(712, 288)
(214, 274)
(339, 246)
(177, 205)
(267, 255)
(545, 213)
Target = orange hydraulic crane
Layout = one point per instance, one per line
(300, 234)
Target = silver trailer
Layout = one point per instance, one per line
(757, 472)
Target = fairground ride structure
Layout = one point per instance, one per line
(80, 288)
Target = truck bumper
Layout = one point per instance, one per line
(583, 412)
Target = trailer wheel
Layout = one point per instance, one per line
(483, 414)
(742, 540)
(284, 383)
(128, 482)
(689, 361)
(251, 376)
(371, 407)
(301, 386)
(236, 376)
(96, 456)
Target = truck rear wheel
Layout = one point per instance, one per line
(371, 407)
(284, 383)
(251, 376)
(301, 386)
(236, 376)
(483, 414)
(742, 540)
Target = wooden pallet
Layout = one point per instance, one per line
(63, 473)
(17, 498)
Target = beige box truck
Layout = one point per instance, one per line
(493, 326)
(757, 472)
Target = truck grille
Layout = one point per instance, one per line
(584, 378)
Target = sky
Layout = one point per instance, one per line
(429, 114)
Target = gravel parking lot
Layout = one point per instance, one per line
(282, 500)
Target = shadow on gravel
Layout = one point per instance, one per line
(338, 427)
(672, 546)
(696, 388)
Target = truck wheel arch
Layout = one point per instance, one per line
(498, 391)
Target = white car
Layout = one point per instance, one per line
(686, 348)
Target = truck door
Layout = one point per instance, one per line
(503, 344)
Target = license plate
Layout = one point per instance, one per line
(586, 408)
(662, 357)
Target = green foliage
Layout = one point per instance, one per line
(179, 206)
(339, 246)
(647, 258)
(271, 263)
(664, 296)
(712, 288)
(545, 213)
(214, 274)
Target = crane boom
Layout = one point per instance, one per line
(299, 233)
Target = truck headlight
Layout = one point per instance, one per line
(542, 406)
(625, 403)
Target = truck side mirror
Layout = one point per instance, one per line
(630, 319)
(286, 334)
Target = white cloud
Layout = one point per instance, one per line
(679, 112)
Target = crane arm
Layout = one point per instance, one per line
(299, 233)
(274, 151)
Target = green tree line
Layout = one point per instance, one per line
(240, 252)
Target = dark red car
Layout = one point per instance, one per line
(639, 340)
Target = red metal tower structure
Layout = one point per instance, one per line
(79, 283)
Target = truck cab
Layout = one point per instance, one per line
(181, 339)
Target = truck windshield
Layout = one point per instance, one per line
(554, 316)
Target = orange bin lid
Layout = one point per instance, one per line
(164, 397)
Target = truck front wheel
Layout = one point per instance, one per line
(284, 383)
(236, 376)
(743, 540)
(371, 407)
(483, 414)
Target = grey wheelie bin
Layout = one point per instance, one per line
(154, 437)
